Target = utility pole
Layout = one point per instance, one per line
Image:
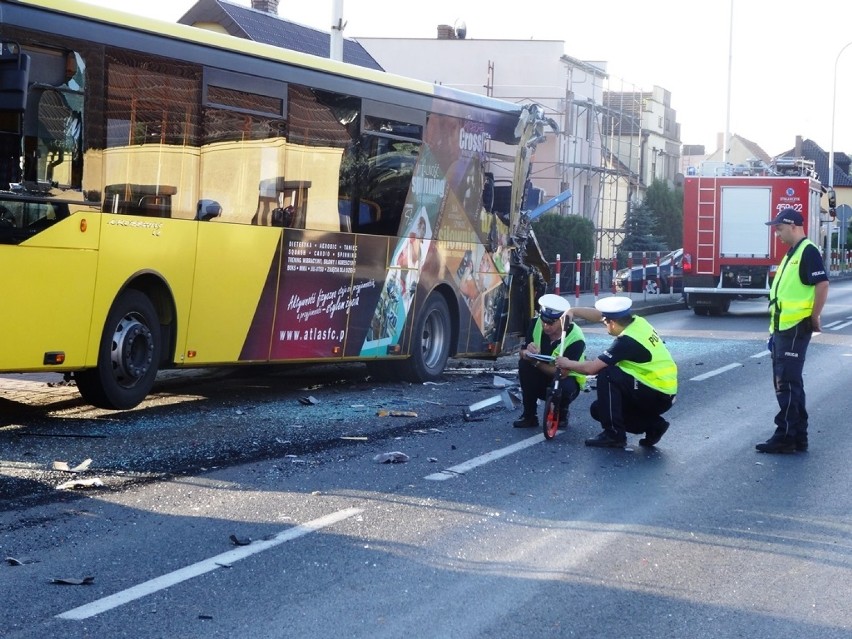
(335, 49)
(831, 194)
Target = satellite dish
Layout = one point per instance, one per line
(460, 29)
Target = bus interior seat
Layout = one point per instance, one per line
(139, 199)
(207, 210)
(283, 216)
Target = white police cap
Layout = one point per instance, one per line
(553, 306)
(614, 307)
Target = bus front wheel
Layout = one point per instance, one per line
(128, 355)
(430, 342)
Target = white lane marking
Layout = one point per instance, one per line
(202, 567)
(718, 371)
(832, 324)
(462, 468)
(840, 326)
(765, 353)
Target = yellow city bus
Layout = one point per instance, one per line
(172, 197)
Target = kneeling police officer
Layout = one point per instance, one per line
(552, 334)
(636, 376)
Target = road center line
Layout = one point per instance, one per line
(718, 371)
(462, 468)
(208, 565)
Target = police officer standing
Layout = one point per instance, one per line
(796, 299)
(551, 334)
(636, 376)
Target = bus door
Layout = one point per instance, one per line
(49, 254)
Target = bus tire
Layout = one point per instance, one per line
(430, 342)
(128, 355)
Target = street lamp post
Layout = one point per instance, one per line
(828, 228)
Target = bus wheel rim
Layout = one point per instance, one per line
(132, 351)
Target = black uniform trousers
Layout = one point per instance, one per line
(788, 359)
(535, 383)
(625, 405)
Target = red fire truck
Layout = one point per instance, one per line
(728, 251)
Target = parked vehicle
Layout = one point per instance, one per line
(730, 253)
(645, 279)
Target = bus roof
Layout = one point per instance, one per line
(204, 37)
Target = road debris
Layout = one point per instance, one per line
(79, 468)
(394, 457)
(72, 581)
(240, 541)
(503, 398)
(92, 482)
(310, 400)
(20, 562)
(396, 413)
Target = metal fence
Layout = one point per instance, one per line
(599, 276)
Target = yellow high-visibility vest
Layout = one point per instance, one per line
(661, 372)
(790, 301)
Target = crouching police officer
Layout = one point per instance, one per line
(636, 376)
(552, 334)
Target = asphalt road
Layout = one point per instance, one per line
(485, 531)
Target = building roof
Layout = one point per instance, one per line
(754, 148)
(740, 150)
(260, 26)
(810, 150)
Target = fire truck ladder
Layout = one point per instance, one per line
(706, 253)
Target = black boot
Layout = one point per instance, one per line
(606, 439)
(655, 434)
(526, 421)
(777, 444)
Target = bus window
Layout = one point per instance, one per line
(390, 168)
(22, 218)
(322, 126)
(151, 113)
(384, 162)
(245, 142)
(14, 79)
(53, 123)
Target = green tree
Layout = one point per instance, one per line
(667, 206)
(566, 235)
(640, 232)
